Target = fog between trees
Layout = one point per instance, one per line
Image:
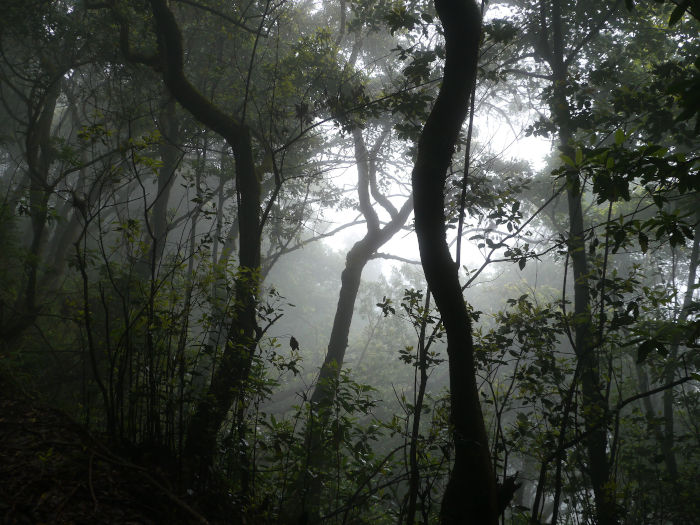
(176, 176)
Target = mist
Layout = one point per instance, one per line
(349, 262)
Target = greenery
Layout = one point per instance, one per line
(209, 260)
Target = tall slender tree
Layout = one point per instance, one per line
(471, 493)
(357, 258)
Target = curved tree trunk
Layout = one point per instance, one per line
(471, 493)
(39, 157)
(229, 380)
(304, 506)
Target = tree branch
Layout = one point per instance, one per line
(388, 256)
(223, 16)
(593, 33)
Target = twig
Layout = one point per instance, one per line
(92, 488)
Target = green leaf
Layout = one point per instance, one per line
(579, 156)
(567, 160)
(649, 346)
(643, 242)
(619, 137)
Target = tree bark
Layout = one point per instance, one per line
(170, 156)
(414, 475)
(39, 156)
(471, 493)
(229, 380)
(667, 442)
(596, 407)
(306, 508)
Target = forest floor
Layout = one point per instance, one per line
(53, 471)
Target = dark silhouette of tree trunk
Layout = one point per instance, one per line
(40, 155)
(594, 401)
(471, 493)
(229, 380)
(422, 370)
(157, 220)
(668, 437)
(305, 504)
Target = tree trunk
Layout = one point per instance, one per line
(422, 370)
(230, 378)
(471, 493)
(307, 507)
(594, 402)
(667, 443)
(170, 157)
(39, 156)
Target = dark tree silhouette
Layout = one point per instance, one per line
(470, 496)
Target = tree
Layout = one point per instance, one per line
(166, 165)
(577, 115)
(32, 82)
(470, 496)
(357, 258)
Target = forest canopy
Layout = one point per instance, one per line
(361, 261)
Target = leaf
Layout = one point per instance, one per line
(619, 137)
(678, 12)
(643, 242)
(649, 346)
(579, 156)
(567, 160)
(644, 350)
(658, 200)
(521, 263)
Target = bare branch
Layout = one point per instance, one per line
(388, 256)
(525, 73)
(315, 238)
(381, 199)
(363, 180)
